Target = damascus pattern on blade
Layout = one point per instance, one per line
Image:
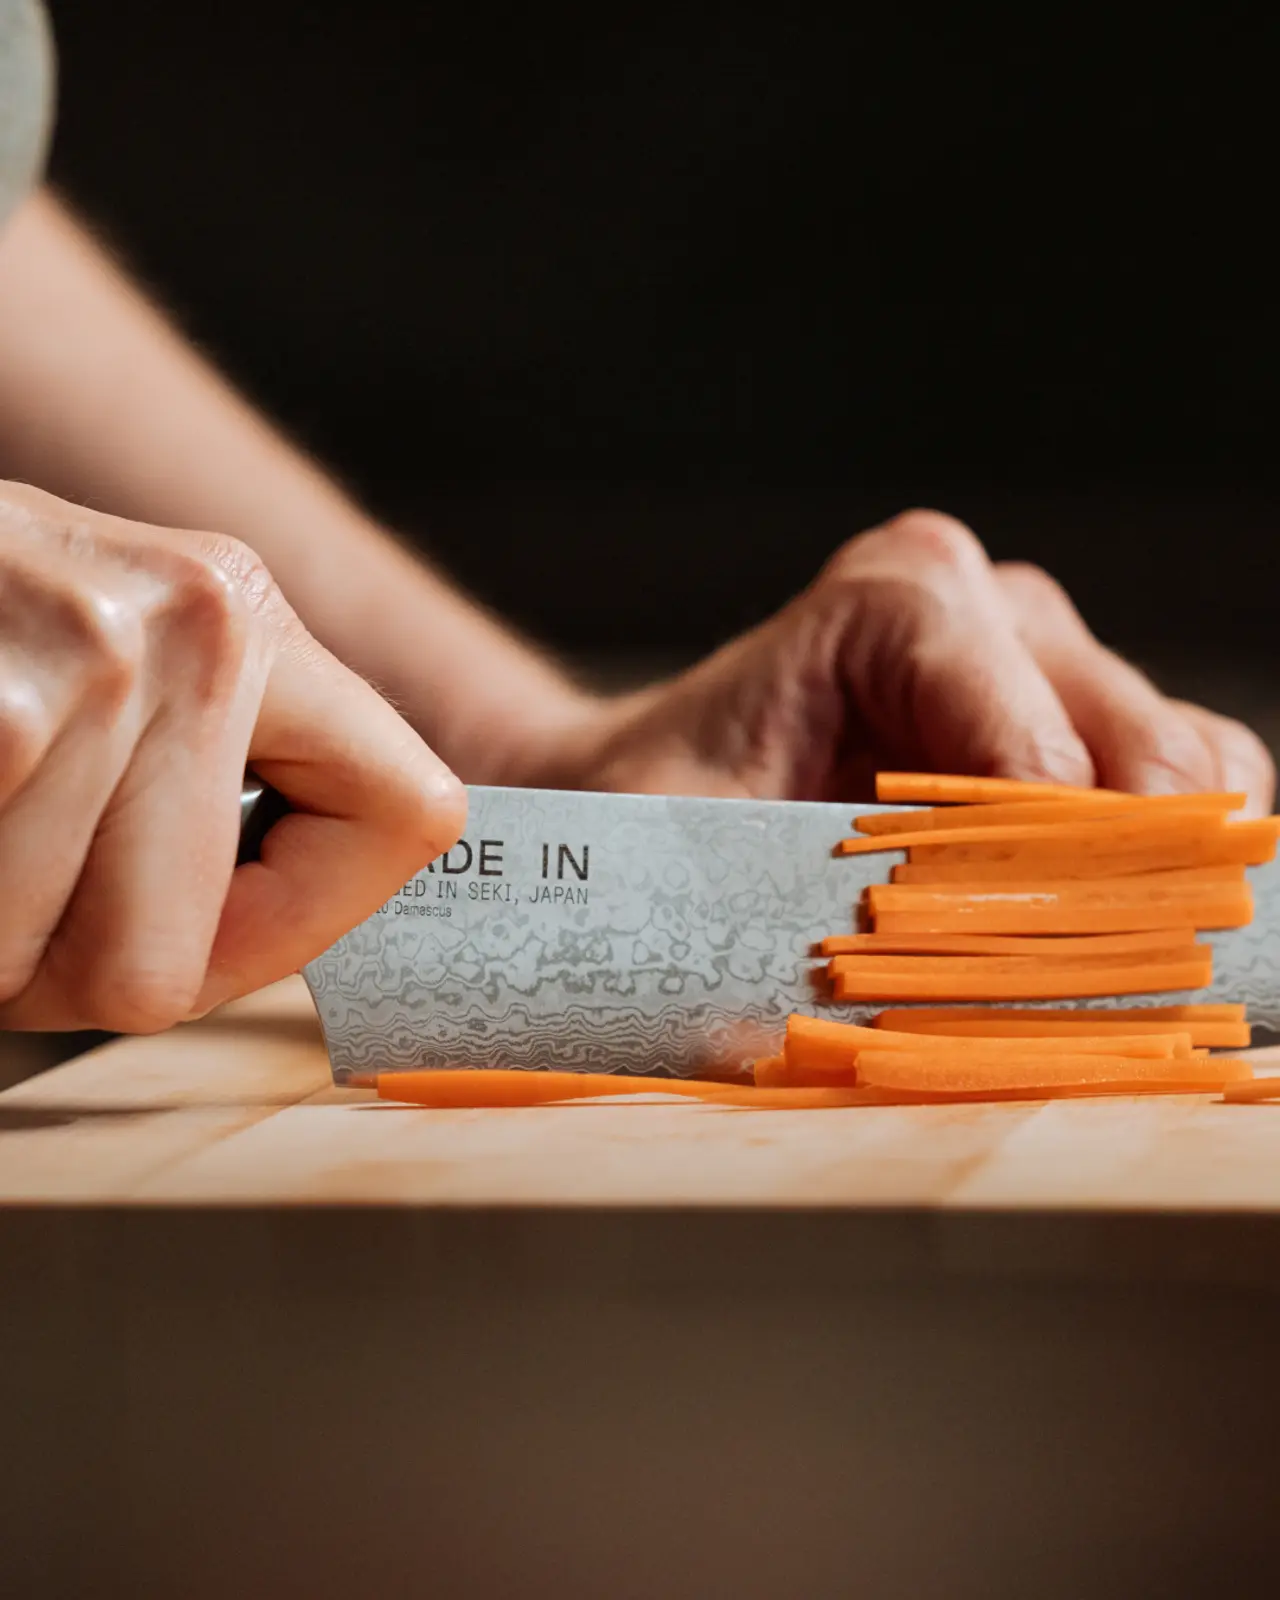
(671, 935)
(617, 932)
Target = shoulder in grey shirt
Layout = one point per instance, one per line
(26, 98)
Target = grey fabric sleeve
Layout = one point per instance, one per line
(26, 98)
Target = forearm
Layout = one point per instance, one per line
(104, 404)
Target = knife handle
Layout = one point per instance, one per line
(261, 807)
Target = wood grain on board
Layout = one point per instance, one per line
(240, 1109)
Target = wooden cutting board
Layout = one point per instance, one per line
(240, 1109)
(266, 1337)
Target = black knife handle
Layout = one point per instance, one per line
(261, 807)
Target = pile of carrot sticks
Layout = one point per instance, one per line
(1009, 892)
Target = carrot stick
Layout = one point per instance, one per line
(1199, 1011)
(1253, 1089)
(1040, 982)
(465, 1088)
(771, 1072)
(1228, 1035)
(1105, 853)
(973, 874)
(1117, 1089)
(939, 1069)
(1105, 835)
(1157, 941)
(826, 1047)
(1096, 809)
(1165, 889)
(1216, 1026)
(928, 788)
(994, 965)
(798, 1098)
(1051, 913)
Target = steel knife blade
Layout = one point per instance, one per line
(637, 933)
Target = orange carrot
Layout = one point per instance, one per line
(954, 1073)
(922, 962)
(1098, 809)
(464, 1088)
(1156, 941)
(1217, 1026)
(1101, 852)
(910, 909)
(1107, 835)
(1040, 982)
(973, 874)
(771, 1072)
(1111, 1090)
(1253, 1089)
(1156, 888)
(831, 1049)
(927, 788)
(798, 1098)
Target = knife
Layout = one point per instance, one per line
(634, 933)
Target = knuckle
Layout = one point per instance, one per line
(24, 735)
(209, 615)
(935, 536)
(110, 637)
(1026, 581)
(244, 572)
(924, 550)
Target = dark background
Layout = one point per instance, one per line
(632, 320)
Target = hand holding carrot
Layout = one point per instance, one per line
(913, 650)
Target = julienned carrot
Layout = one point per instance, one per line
(968, 1073)
(1084, 836)
(801, 1098)
(465, 1088)
(1098, 810)
(831, 1047)
(1218, 1035)
(1253, 1089)
(1111, 1090)
(929, 788)
(1158, 941)
(1127, 917)
(770, 1072)
(896, 909)
(1156, 849)
(1088, 892)
(798, 1098)
(1040, 982)
(994, 968)
(972, 874)
(1214, 1025)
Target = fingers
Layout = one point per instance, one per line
(131, 947)
(934, 662)
(372, 806)
(140, 670)
(1140, 741)
(1241, 760)
(69, 718)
